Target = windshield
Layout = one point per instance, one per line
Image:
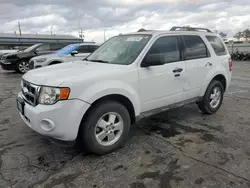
(31, 48)
(122, 49)
(67, 49)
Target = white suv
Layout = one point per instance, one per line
(130, 76)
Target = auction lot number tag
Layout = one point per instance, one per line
(134, 39)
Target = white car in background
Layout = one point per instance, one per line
(71, 52)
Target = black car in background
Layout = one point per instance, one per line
(19, 61)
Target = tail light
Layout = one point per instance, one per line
(230, 64)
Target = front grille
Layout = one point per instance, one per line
(31, 65)
(30, 92)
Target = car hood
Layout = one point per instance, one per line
(55, 75)
(13, 53)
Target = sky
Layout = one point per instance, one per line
(121, 16)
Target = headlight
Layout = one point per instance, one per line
(41, 60)
(50, 95)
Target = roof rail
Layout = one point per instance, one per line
(190, 29)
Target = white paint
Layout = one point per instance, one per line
(146, 88)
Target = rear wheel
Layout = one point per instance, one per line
(22, 66)
(213, 98)
(106, 128)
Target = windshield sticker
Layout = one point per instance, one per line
(134, 39)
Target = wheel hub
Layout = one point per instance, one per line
(109, 129)
(215, 97)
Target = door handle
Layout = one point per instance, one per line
(177, 70)
(208, 64)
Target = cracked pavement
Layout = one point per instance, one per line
(178, 148)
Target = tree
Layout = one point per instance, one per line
(223, 35)
(238, 35)
(246, 34)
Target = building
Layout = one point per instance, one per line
(10, 41)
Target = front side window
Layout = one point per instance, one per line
(195, 48)
(92, 48)
(122, 49)
(31, 48)
(83, 49)
(166, 48)
(217, 45)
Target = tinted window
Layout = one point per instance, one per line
(195, 48)
(167, 48)
(92, 48)
(217, 45)
(44, 47)
(83, 49)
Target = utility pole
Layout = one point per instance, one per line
(81, 33)
(51, 30)
(19, 28)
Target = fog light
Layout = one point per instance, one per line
(47, 125)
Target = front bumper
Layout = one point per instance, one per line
(60, 121)
(7, 65)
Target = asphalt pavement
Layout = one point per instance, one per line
(178, 148)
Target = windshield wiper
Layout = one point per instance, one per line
(97, 60)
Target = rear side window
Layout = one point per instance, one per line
(167, 48)
(217, 45)
(195, 48)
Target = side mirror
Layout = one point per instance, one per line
(36, 52)
(73, 53)
(152, 60)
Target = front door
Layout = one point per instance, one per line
(162, 85)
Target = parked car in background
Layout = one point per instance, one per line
(69, 53)
(19, 61)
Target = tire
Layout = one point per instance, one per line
(22, 66)
(205, 105)
(90, 128)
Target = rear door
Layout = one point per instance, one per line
(221, 53)
(197, 60)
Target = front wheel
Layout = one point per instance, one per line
(213, 98)
(106, 127)
(22, 66)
